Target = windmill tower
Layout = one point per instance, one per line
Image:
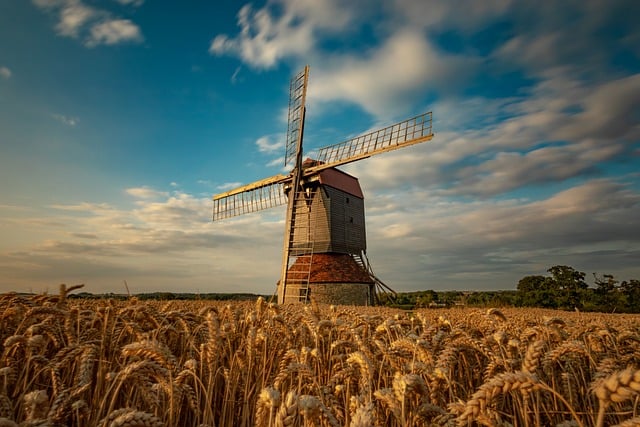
(324, 252)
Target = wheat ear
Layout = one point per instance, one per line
(364, 416)
(617, 387)
(268, 401)
(288, 411)
(133, 418)
(632, 422)
(533, 355)
(500, 384)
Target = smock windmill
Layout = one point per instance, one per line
(324, 252)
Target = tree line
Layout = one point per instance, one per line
(564, 288)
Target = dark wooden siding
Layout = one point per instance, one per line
(346, 221)
(334, 221)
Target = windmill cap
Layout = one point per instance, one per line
(309, 162)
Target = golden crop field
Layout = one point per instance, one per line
(71, 362)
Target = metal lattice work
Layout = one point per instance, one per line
(297, 97)
(247, 201)
(402, 134)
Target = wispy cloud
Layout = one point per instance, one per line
(416, 239)
(135, 3)
(73, 16)
(235, 77)
(67, 120)
(100, 245)
(270, 143)
(554, 131)
(491, 241)
(228, 186)
(376, 83)
(114, 31)
(285, 29)
(146, 192)
(94, 25)
(409, 57)
(5, 72)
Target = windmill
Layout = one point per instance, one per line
(324, 252)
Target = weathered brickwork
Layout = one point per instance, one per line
(334, 293)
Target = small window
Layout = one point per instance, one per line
(351, 219)
(347, 201)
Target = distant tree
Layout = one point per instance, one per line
(425, 298)
(608, 297)
(631, 292)
(450, 297)
(537, 291)
(503, 299)
(570, 286)
(478, 299)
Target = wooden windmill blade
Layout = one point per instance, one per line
(295, 122)
(257, 196)
(402, 134)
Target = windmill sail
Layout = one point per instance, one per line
(263, 194)
(403, 134)
(297, 95)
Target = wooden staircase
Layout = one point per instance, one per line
(363, 261)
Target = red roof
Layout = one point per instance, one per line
(330, 268)
(342, 181)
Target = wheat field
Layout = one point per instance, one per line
(72, 362)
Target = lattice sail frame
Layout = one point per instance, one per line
(297, 95)
(249, 199)
(402, 134)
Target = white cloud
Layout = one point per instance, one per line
(609, 111)
(73, 17)
(228, 186)
(278, 162)
(287, 29)
(270, 143)
(146, 192)
(114, 31)
(235, 76)
(94, 25)
(5, 72)
(67, 120)
(377, 83)
(264, 39)
(135, 3)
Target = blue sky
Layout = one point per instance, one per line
(120, 119)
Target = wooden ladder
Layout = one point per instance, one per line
(300, 251)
